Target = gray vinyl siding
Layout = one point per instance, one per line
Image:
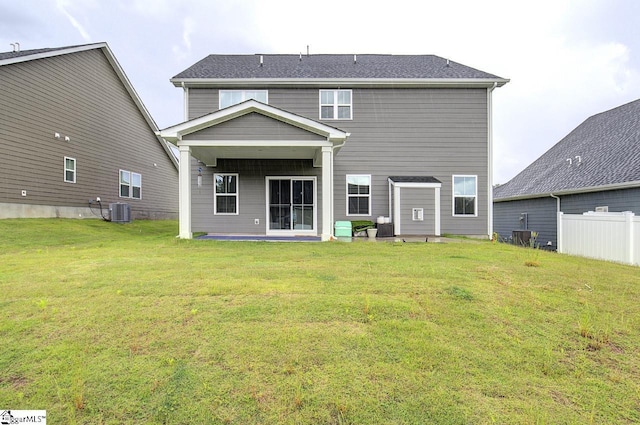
(202, 101)
(78, 95)
(252, 192)
(417, 198)
(542, 218)
(253, 126)
(616, 200)
(395, 131)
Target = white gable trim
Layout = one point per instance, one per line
(175, 133)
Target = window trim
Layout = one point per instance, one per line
(74, 170)
(454, 196)
(335, 105)
(244, 97)
(130, 185)
(215, 194)
(348, 195)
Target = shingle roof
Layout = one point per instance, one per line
(604, 150)
(414, 179)
(330, 66)
(22, 53)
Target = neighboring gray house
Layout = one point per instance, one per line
(594, 168)
(290, 144)
(73, 129)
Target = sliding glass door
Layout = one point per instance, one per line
(291, 204)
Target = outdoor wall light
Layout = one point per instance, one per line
(199, 177)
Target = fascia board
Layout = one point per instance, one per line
(340, 82)
(52, 53)
(613, 186)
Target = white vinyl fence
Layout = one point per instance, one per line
(605, 236)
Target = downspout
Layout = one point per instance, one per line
(557, 202)
(185, 106)
(558, 224)
(490, 157)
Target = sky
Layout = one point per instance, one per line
(567, 60)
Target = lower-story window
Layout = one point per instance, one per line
(465, 195)
(358, 194)
(225, 194)
(69, 170)
(130, 185)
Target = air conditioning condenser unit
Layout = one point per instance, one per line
(120, 212)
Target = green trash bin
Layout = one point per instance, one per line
(343, 229)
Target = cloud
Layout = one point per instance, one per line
(62, 5)
(188, 29)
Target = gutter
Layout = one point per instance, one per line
(613, 186)
(336, 82)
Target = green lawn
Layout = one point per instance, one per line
(108, 323)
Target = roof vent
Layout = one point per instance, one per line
(355, 59)
(261, 60)
(16, 46)
(447, 63)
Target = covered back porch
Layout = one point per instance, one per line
(256, 169)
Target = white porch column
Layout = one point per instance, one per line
(184, 187)
(437, 203)
(327, 193)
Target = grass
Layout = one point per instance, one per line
(107, 324)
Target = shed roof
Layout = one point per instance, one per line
(414, 179)
(602, 152)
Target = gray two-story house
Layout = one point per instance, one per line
(290, 144)
(73, 130)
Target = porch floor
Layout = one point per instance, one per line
(257, 238)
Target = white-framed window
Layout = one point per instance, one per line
(69, 170)
(465, 195)
(233, 97)
(225, 194)
(358, 194)
(336, 105)
(130, 185)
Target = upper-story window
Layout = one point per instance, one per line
(335, 105)
(233, 97)
(465, 195)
